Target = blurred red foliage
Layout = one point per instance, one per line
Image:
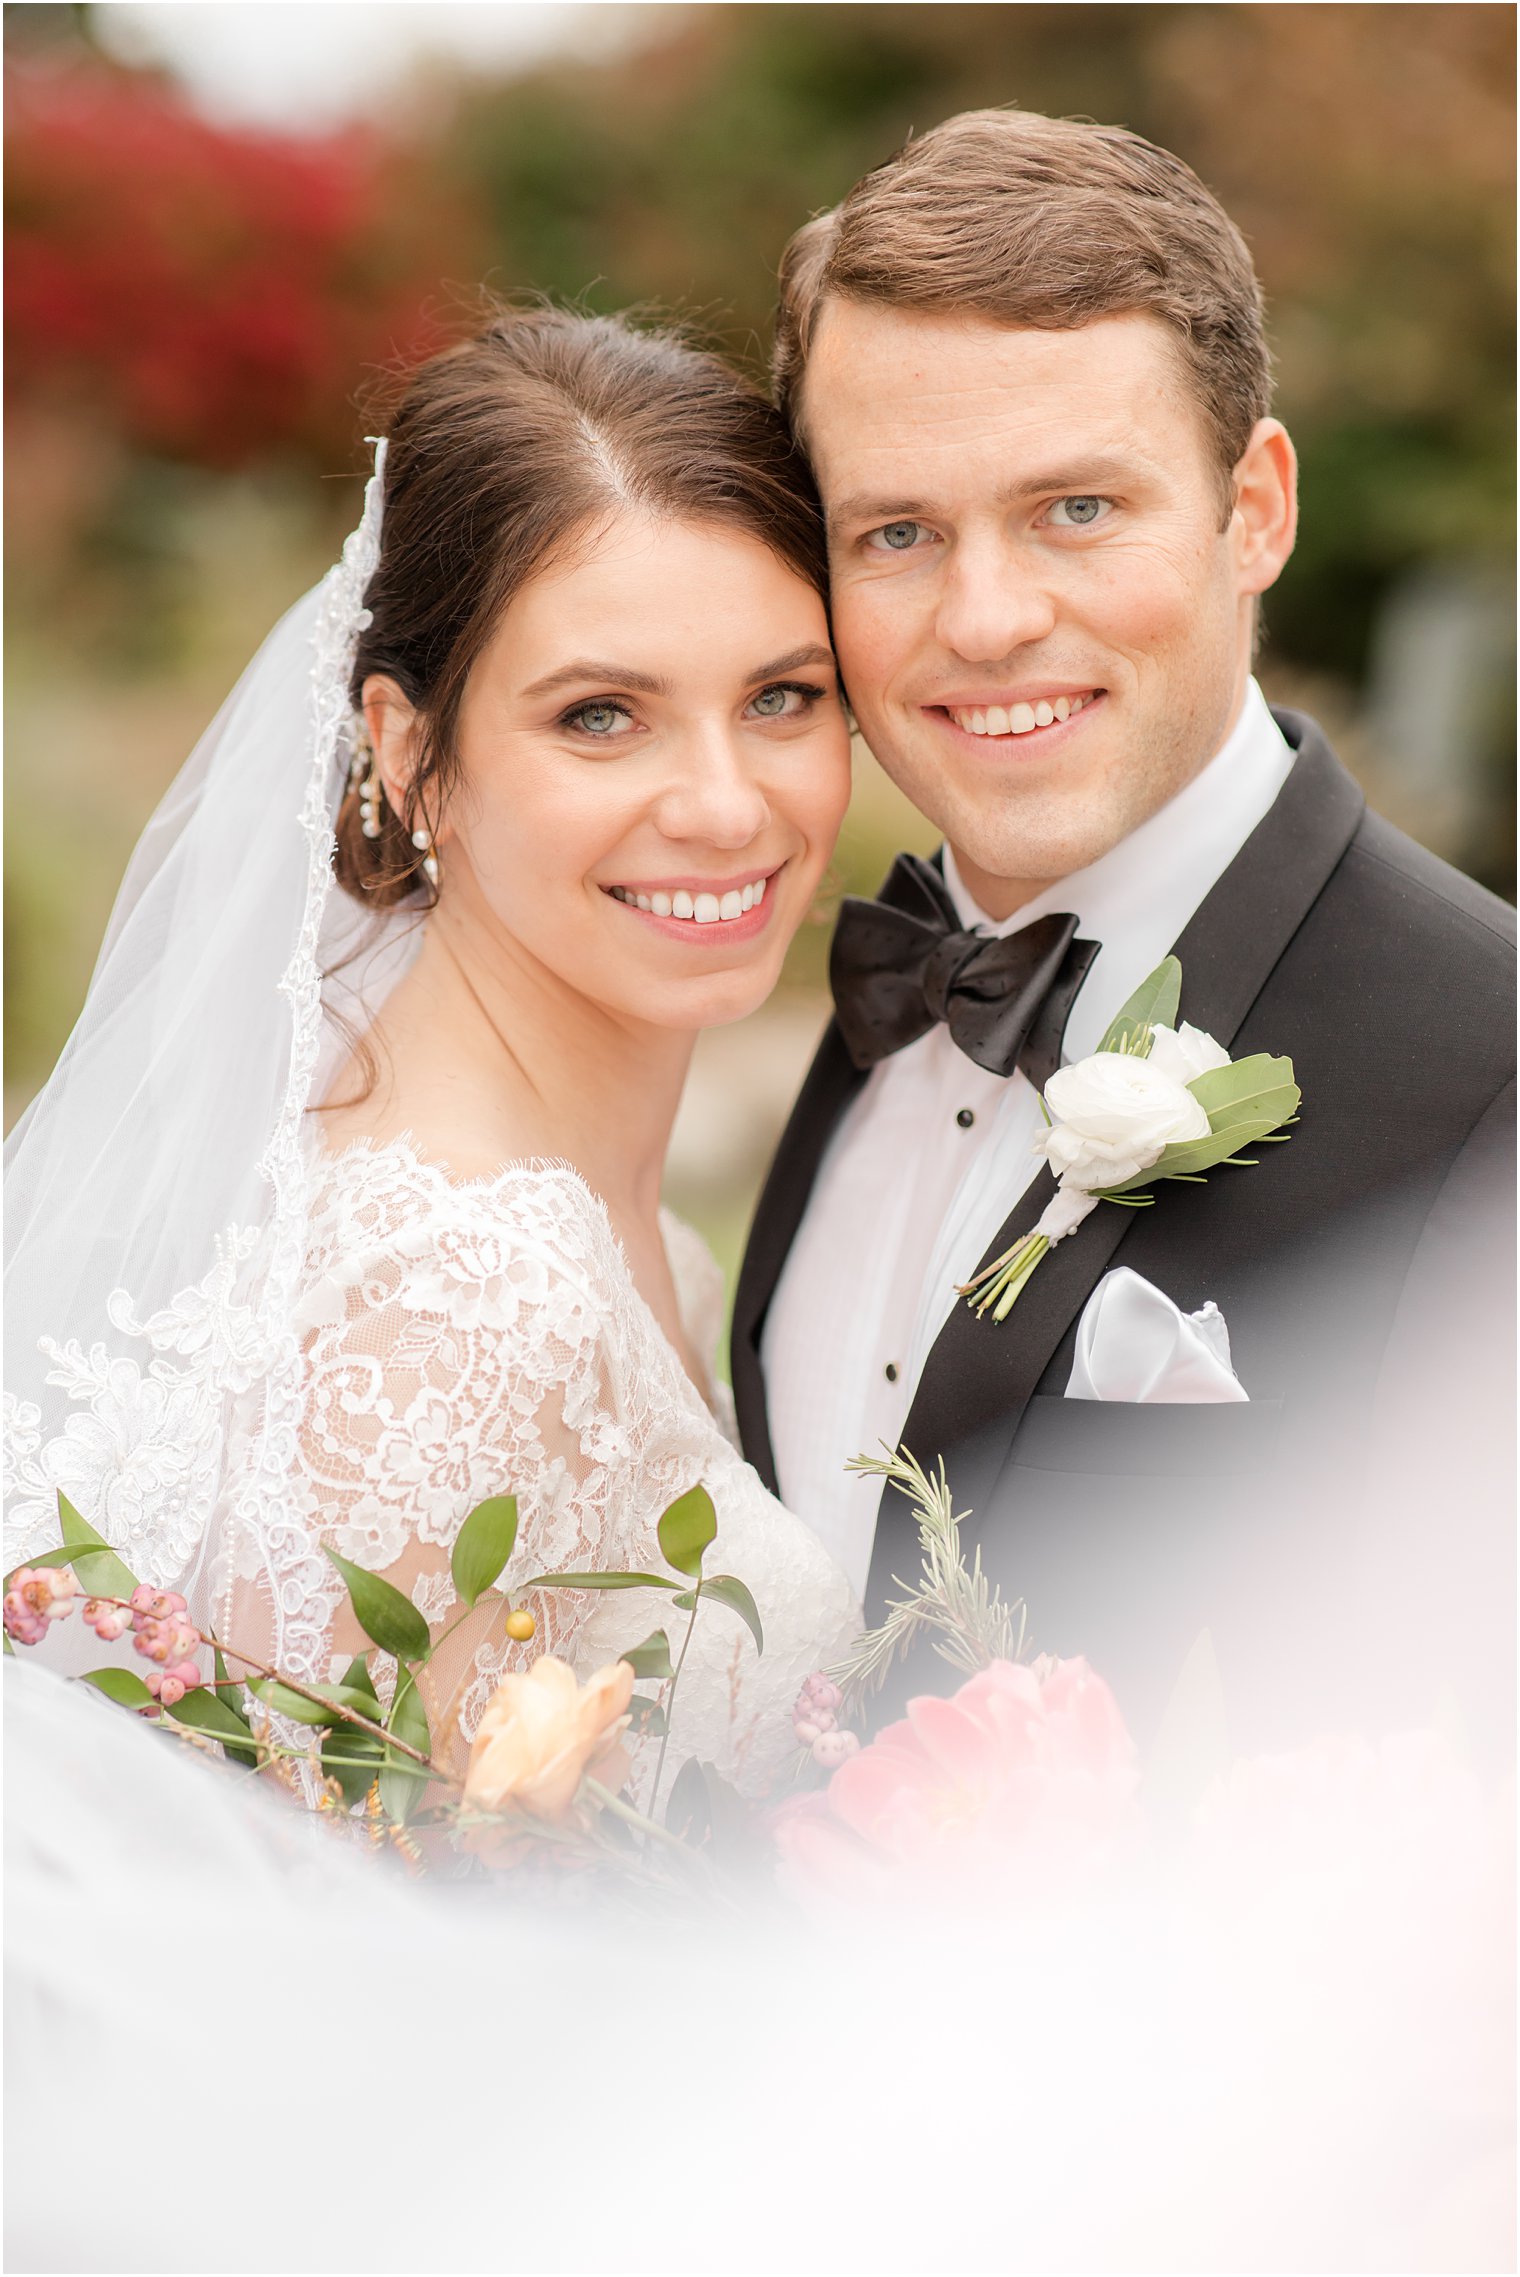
(210, 294)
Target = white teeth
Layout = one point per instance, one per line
(1018, 719)
(700, 908)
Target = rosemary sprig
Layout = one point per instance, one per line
(953, 1604)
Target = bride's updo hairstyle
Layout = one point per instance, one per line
(505, 450)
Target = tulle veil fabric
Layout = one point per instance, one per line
(156, 1188)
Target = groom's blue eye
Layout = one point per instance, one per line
(898, 537)
(1078, 513)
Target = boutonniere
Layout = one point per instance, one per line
(1153, 1102)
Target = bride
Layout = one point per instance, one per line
(341, 1212)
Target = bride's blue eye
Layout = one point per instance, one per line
(598, 718)
(784, 699)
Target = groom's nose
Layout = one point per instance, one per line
(989, 603)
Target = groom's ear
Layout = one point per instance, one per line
(1264, 521)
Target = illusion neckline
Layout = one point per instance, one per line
(540, 1168)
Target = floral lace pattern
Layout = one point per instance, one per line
(483, 1337)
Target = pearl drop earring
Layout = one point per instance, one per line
(364, 777)
(423, 842)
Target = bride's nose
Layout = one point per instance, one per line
(713, 794)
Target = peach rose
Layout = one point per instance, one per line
(541, 1732)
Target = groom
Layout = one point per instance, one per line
(1026, 358)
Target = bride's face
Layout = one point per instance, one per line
(655, 764)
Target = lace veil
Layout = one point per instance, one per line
(156, 1194)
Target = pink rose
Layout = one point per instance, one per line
(1019, 1789)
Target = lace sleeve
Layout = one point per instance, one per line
(452, 1353)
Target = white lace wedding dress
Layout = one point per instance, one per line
(484, 1336)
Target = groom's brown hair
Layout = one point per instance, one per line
(1049, 223)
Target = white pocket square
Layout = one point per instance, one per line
(1134, 1344)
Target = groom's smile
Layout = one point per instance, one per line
(1043, 579)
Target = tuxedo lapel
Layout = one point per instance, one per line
(980, 1374)
(832, 1082)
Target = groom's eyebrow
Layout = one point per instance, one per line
(1077, 479)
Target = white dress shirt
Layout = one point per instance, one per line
(934, 1153)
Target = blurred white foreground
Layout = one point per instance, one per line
(234, 2045)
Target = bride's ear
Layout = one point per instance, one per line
(392, 725)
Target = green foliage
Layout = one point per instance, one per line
(1153, 1005)
(652, 1657)
(727, 1589)
(601, 1581)
(207, 1711)
(687, 1528)
(98, 1567)
(484, 1543)
(319, 1712)
(121, 1685)
(392, 1620)
(401, 1780)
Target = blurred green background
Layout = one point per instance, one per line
(196, 301)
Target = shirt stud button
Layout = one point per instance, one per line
(891, 1371)
(965, 1118)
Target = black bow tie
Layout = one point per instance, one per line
(903, 962)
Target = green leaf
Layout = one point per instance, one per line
(1153, 1005)
(729, 1590)
(358, 1679)
(99, 1569)
(203, 1710)
(648, 1717)
(300, 1710)
(120, 1685)
(601, 1581)
(401, 1780)
(61, 1556)
(1192, 1156)
(652, 1657)
(1258, 1090)
(352, 1758)
(392, 1620)
(486, 1540)
(688, 1811)
(686, 1529)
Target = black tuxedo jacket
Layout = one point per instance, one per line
(1361, 1269)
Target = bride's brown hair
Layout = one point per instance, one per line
(503, 450)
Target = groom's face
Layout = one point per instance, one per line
(1042, 606)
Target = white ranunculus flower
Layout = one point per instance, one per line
(1111, 1117)
(1185, 1052)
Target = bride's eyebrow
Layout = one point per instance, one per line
(609, 675)
(793, 661)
